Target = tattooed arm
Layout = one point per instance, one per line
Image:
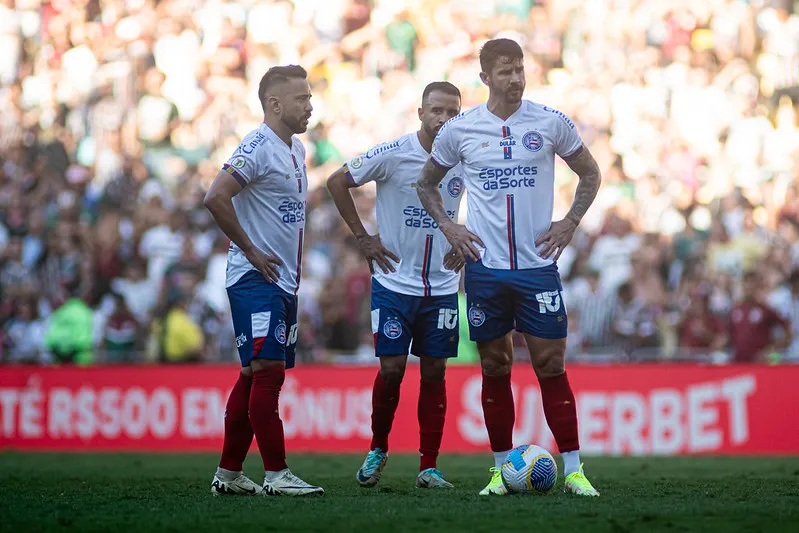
(561, 232)
(584, 165)
(458, 236)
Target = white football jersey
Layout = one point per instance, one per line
(405, 227)
(271, 205)
(509, 167)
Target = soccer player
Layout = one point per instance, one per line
(507, 148)
(258, 200)
(414, 297)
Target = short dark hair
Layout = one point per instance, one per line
(496, 48)
(442, 86)
(278, 75)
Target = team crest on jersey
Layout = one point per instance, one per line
(356, 162)
(280, 333)
(476, 316)
(237, 162)
(533, 141)
(392, 329)
(455, 186)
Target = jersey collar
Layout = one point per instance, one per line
(269, 132)
(495, 118)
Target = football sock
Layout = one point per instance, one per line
(431, 412)
(227, 475)
(385, 399)
(265, 416)
(500, 458)
(272, 475)
(238, 431)
(561, 412)
(498, 411)
(571, 462)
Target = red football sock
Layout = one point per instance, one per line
(499, 411)
(238, 431)
(385, 399)
(561, 411)
(431, 411)
(265, 417)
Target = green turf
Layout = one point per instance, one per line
(57, 492)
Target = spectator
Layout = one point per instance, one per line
(70, 333)
(121, 333)
(183, 340)
(634, 323)
(595, 306)
(700, 331)
(785, 301)
(114, 118)
(24, 335)
(752, 324)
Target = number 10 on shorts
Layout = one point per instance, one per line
(447, 318)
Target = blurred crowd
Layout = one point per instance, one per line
(115, 115)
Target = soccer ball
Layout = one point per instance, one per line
(530, 469)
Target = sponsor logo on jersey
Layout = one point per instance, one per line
(392, 329)
(293, 211)
(280, 333)
(381, 149)
(476, 316)
(561, 115)
(533, 141)
(249, 147)
(417, 217)
(507, 143)
(455, 186)
(508, 177)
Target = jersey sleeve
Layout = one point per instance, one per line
(446, 149)
(246, 167)
(567, 138)
(370, 166)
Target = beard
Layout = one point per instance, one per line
(297, 126)
(432, 132)
(510, 94)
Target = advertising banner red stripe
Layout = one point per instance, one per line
(623, 410)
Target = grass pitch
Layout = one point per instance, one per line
(142, 493)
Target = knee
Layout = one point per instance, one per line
(433, 369)
(550, 364)
(496, 361)
(392, 371)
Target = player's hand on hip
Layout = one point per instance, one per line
(556, 239)
(266, 264)
(373, 250)
(453, 261)
(463, 241)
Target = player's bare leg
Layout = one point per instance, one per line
(267, 380)
(385, 398)
(496, 360)
(431, 411)
(229, 477)
(549, 361)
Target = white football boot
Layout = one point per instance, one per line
(286, 483)
(241, 486)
